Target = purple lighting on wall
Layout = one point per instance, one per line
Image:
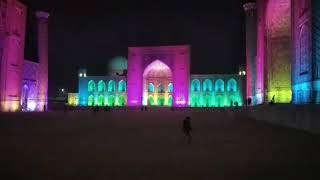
(175, 57)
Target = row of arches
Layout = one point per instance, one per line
(122, 86)
(215, 101)
(160, 101)
(207, 85)
(106, 101)
(160, 88)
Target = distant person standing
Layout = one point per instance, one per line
(186, 127)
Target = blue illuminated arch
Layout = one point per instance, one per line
(219, 85)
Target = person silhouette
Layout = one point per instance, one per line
(186, 127)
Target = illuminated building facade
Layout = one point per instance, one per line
(287, 61)
(101, 91)
(23, 84)
(216, 90)
(158, 76)
(30, 87)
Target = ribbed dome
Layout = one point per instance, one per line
(117, 65)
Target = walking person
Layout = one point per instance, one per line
(186, 127)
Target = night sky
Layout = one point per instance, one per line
(89, 33)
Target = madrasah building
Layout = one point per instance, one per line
(282, 65)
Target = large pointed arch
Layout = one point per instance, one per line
(159, 72)
(157, 66)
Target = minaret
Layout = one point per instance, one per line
(251, 51)
(42, 18)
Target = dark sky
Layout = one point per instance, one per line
(89, 33)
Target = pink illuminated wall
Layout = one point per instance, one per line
(12, 38)
(279, 50)
(260, 51)
(274, 51)
(177, 58)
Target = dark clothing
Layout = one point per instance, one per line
(187, 129)
(187, 125)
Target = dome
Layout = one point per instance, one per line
(117, 65)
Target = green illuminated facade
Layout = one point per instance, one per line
(211, 90)
(216, 90)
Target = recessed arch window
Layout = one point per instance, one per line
(111, 101)
(101, 100)
(111, 86)
(195, 85)
(160, 88)
(170, 100)
(206, 101)
(220, 101)
(121, 100)
(150, 101)
(91, 100)
(151, 88)
(304, 50)
(91, 86)
(122, 86)
(161, 101)
(219, 85)
(195, 101)
(207, 85)
(101, 86)
(232, 85)
(170, 88)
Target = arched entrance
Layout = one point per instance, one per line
(161, 101)
(220, 101)
(111, 101)
(195, 101)
(121, 100)
(91, 100)
(157, 75)
(170, 101)
(101, 100)
(206, 101)
(150, 101)
(24, 97)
